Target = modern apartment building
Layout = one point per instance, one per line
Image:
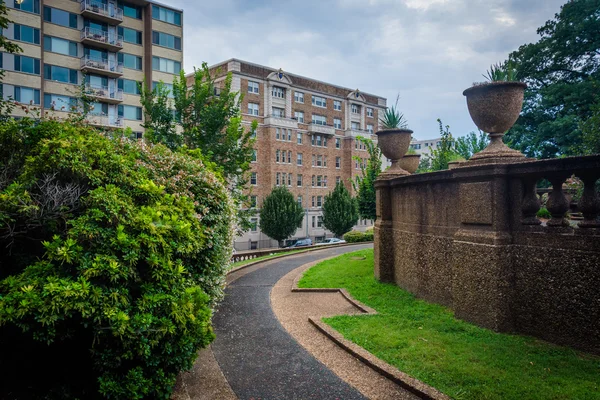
(110, 45)
(306, 139)
(425, 147)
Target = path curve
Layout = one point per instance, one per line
(257, 356)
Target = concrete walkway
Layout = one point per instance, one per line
(257, 356)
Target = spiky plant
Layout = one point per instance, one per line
(393, 118)
(501, 72)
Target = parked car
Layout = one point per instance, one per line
(331, 241)
(302, 243)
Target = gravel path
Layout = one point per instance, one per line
(257, 356)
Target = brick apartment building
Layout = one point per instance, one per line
(113, 44)
(306, 139)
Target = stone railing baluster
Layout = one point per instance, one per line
(531, 203)
(589, 204)
(558, 205)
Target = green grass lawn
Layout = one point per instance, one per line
(458, 358)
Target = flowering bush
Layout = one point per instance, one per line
(113, 255)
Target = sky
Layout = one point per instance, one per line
(427, 51)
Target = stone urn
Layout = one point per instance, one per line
(410, 162)
(394, 144)
(494, 108)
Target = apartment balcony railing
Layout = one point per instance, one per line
(105, 94)
(103, 39)
(323, 129)
(278, 120)
(102, 12)
(105, 121)
(101, 66)
(358, 132)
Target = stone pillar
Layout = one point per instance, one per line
(384, 233)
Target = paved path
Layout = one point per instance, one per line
(259, 359)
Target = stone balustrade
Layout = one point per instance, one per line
(469, 239)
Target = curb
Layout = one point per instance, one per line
(250, 264)
(409, 383)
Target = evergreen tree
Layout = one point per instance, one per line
(340, 212)
(364, 183)
(280, 214)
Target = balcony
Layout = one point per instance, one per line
(101, 66)
(101, 39)
(98, 11)
(277, 120)
(105, 94)
(104, 121)
(322, 129)
(359, 132)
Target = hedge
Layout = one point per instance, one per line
(114, 254)
(357, 236)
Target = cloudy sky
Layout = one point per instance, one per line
(429, 51)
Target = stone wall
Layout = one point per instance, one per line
(468, 239)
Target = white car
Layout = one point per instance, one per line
(331, 241)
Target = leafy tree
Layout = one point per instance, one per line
(364, 183)
(340, 212)
(561, 71)
(470, 144)
(280, 214)
(442, 155)
(202, 120)
(590, 133)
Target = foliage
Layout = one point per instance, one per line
(444, 153)
(590, 129)
(113, 254)
(470, 144)
(340, 212)
(280, 214)
(501, 72)
(392, 118)
(561, 70)
(544, 213)
(411, 151)
(364, 183)
(207, 122)
(462, 360)
(358, 236)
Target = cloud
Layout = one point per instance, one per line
(429, 51)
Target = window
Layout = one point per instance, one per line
(130, 112)
(355, 164)
(313, 217)
(319, 119)
(277, 158)
(314, 181)
(319, 180)
(338, 143)
(299, 137)
(299, 180)
(27, 64)
(369, 112)
(165, 40)
(130, 61)
(252, 87)
(319, 161)
(355, 126)
(289, 181)
(27, 95)
(252, 108)
(130, 10)
(289, 156)
(26, 33)
(253, 201)
(132, 36)
(355, 109)
(300, 204)
(299, 115)
(253, 178)
(289, 135)
(32, 6)
(370, 128)
(60, 17)
(166, 15)
(299, 97)
(277, 178)
(299, 159)
(416, 146)
(277, 134)
(319, 201)
(166, 65)
(97, 108)
(130, 86)
(319, 221)
(59, 102)
(338, 179)
(283, 157)
(278, 112)
(254, 155)
(61, 46)
(337, 123)
(319, 101)
(278, 92)
(254, 224)
(167, 86)
(60, 74)
(338, 162)
(337, 105)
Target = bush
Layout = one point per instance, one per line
(368, 236)
(544, 213)
(357, 236)
(113, 254)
